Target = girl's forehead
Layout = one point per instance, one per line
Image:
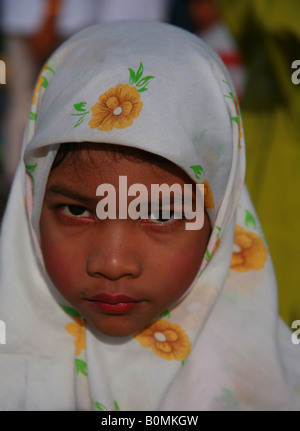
(111, 159)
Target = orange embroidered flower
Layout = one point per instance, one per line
(77, 329)
(251, 251)
(40, 81)
(116, 108)
(37, 89)
(217, 245)
(208, 196)
(166, 340)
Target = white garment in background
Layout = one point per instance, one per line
(23, 17)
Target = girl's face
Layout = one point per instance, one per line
(119, 274)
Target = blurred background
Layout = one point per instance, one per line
(258, 40)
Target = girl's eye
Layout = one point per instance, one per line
(161, 217)
(75, 211)
(162, 221)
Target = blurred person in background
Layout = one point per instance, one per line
(206, 22)
(267, 33)
(32, 29)
(258, 41)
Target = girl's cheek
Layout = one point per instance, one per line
(186, 267)
(188, 259)
(60, 268)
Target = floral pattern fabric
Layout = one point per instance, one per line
(166, 340)
(117, 108)
(222, 346)
(251, 251)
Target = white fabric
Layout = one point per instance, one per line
(242, 356)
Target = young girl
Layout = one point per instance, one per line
(141, 312)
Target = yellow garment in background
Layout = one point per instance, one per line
(268, 35)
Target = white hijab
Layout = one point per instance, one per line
(229, 349)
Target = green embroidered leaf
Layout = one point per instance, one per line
(249, 219)
(165, 313)
(31, 168)
(207, 255)
(44, 82)
(81, 367)
(132, 76)
(136, 78)
(32, 116)
(81, 111)
(81, 119)
(117, 406)
(99, 406)
(230, 95)
(198, 171)
(80, 106)
(182, 362)
(70, 311)
(235, 119)
(49, 68)
(144, 81)
(140, 72)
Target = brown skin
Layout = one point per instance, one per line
(152, 262)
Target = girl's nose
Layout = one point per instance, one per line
(115, 252)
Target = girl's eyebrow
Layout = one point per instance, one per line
(72, 194)
(68, 193)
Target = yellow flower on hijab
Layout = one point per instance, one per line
(116, 108)
(208, 195)
(42, 81)
(166, 339)
(77, 329)
(251, 251)
(37, 89)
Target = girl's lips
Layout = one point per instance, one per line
(114, 304)
(113, 298)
